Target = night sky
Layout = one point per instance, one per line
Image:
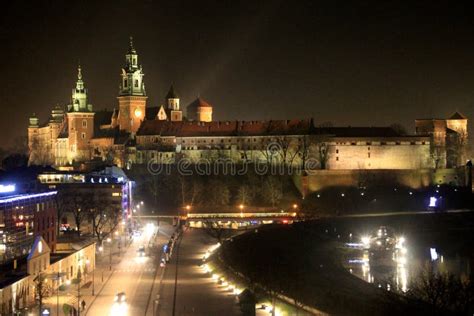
(370, 64)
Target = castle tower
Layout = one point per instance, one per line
(132, 96)
(200, 110)
(457, 140)
(172, 102)
(32, 133)
(80, 122)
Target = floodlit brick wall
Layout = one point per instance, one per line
(415, 179)
(356, 154)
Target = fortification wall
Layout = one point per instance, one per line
(414, 178)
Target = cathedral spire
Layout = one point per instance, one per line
(79, 95)
(79, 72)
(132, 74)
(131, 49)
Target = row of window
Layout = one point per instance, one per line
(125, 83)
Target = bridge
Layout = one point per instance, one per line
(239, 219)
(227, 220)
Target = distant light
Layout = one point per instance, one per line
(342, 194)
(7, 188)
(434, 254)
(365, 240)
(411, 193)
(27, 196)
(433, 201)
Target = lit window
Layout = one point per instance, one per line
(136, 83)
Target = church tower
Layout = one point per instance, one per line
(132, 96)
(172, 103)
(80, 122)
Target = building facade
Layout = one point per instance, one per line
(23, 217)
(135, 133)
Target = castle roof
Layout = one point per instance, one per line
(257, 128)
(171, 93)
(357, 131)
(199, 103)
(458, 116)
(225, 128)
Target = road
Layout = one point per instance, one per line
(196, 293)
(133, 275)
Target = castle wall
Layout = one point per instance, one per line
(344, 153)
(417, 178)
(357, 153)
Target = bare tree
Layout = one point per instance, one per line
(303, 150)
(219, 194)
(105, 218)
(216, 230)
(273, 190)
(437, 156)
(41, 290)
(456, 149)
(190, 189)
(323, 154)
(245, 194)
(40, 153)
(79, 208)
(443, 291)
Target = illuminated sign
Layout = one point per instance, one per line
(27, 196)
(7, 188)
(40, 247)
(433, 201)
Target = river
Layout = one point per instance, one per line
(443, 242)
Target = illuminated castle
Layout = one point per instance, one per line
(134, 133)
(77, 133)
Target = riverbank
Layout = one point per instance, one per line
(302, 262)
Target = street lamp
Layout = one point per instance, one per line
(295, 206)
(110, 253)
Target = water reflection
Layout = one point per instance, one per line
(385, 272)
(396, 269)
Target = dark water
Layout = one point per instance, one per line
(445, 242)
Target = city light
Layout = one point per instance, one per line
(365, 240)
(433, 201)
(7, 188)
(27, 196)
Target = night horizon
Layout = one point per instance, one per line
(357, 65)
(237, 158)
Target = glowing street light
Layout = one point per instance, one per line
(188, 207)
(295, 206)
(241, 206)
